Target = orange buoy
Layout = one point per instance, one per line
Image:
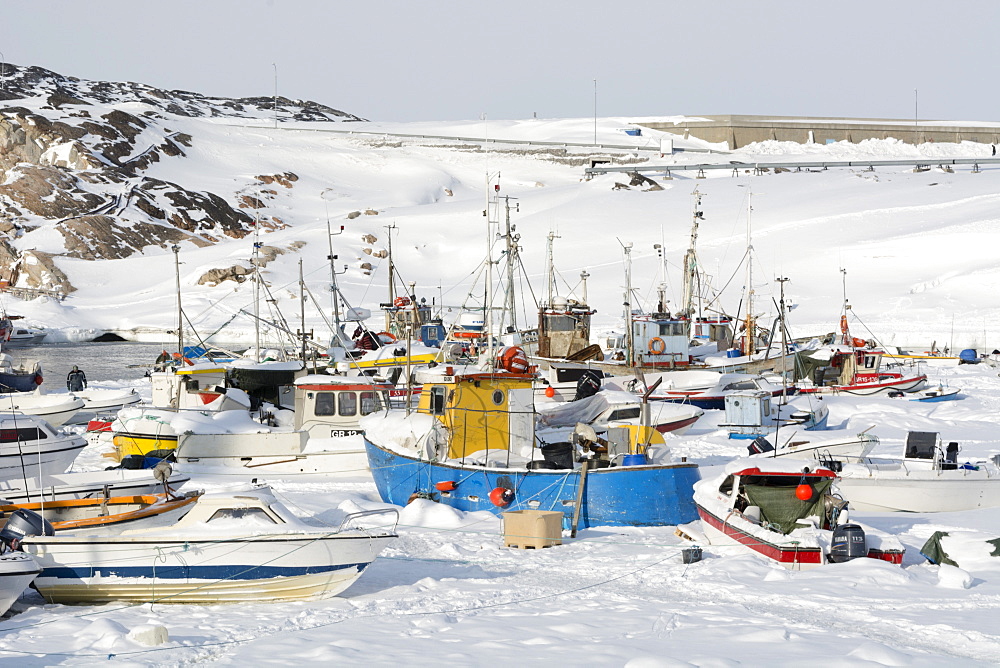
(804, 492)
(445, 485)
(501, 496)
(550, 391)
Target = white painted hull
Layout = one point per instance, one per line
(38, 458)
(17, 570)
(278, 454)
(54, 409)
(196, 569)
(921, 491)
(86, 485)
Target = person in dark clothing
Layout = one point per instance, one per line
(76, 380)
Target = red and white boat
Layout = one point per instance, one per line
(858, 371)
(785, 510)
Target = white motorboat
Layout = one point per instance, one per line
(25, 336)
(17, 570)
(928, 479)
(30, 447)
(805, 446)
(56, 409)
(787, 511)
(230, 547)
(99, 400)
(86, 485)
(611, 408)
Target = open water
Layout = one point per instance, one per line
(102, 362)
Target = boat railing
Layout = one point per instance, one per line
(351, 517)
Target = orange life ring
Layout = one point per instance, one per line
(400, 302)
(386, 335)
(467, 335)
(656, 346)
(843, 324)
(513, 359)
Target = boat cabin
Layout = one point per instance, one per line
(482, 411)
(717, 330)
(188, 387)
(660, 342)
(563, 327)
(330, 406)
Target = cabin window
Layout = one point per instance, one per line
(348, 404)
(22, 434)
(624, 413)
(370, 403)
(498, 397)
(326, 403)
(437, 400)
(672, 329)
(870, 361)
(560, 323)
(243, 515)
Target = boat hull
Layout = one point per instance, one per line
(17, 570)
(922, 492)
(653, 495)
(253, 568)
(38, 458)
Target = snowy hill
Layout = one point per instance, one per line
(99, 180)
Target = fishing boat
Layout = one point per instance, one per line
(787, 512)
(750, 414)
(855, 370)
(471, 444)
(929, 478)
(228, 547)
(17, 570)
(30, 447)
(101, 400)
(714, 397)
(324, 435)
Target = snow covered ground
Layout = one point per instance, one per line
(921, 267)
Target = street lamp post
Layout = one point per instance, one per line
(595, 112)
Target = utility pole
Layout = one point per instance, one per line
(916, 118)
(275, 66)
(3, 72)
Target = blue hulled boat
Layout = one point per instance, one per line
(472, 445)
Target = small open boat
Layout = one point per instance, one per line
(86, 485)
(787, 511)
(928, 479)
(245, 546)
(103, 512)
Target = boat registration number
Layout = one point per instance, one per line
(336, 433)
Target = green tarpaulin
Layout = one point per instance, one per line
(780, 507)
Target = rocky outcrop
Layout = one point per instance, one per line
(241, 272)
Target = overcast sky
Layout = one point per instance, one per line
(413, 60)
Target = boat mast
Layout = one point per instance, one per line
(392, 282)
(691, 289)
(550, 269)
(256, 287)
(512, 251)
(844, 327)
(180, 313)
(333, 283)
(629, 336)
(751, 323)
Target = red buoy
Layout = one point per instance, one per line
(445, 485)
(550, 391)
(804, 492)
(501, 496)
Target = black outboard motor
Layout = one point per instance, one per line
(22, 524)
(848, 543)
(558, 455)
(759, 445)
(588, 385)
